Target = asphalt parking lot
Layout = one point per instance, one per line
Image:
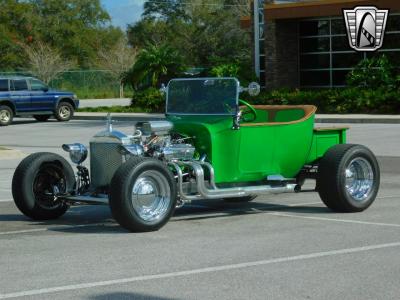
(286, 246)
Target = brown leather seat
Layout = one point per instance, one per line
(272, 110)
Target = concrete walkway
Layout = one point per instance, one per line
(104, 102)
(320, 118)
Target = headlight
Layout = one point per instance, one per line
(74, 96)
(77, 152)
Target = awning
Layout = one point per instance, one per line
(309, 9)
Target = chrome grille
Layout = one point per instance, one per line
(105, 159)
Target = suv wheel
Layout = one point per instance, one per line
(64, 112)
(6, 115)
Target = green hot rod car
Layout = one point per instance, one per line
(211, 146)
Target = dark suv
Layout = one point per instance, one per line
(28, 96)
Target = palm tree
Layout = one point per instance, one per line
(153, 65)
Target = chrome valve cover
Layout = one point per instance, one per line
(178, 152)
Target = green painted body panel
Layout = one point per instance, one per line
(253, 152)
(323, 140)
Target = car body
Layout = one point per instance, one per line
(211, 146)
(28, 96)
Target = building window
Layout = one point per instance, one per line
(325, 55)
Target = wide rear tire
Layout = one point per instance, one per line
(143, 194)
(37, 181)
(348, 178)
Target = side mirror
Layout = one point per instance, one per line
(253, 89)
(163, 89)
(45, 89)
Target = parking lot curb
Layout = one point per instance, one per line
(320, 118)
(119, 116)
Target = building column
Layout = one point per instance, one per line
(281, 54)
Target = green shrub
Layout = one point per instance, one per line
(346, 100)
(150, 99)
(376, 72)
(225, 70)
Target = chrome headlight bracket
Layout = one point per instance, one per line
(77, 152)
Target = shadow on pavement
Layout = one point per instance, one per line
(24, 122)
(98, 219)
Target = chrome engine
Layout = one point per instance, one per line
(109, 149)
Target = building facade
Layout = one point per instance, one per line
(303, 44)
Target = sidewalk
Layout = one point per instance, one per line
(320, 118)
(104, 102)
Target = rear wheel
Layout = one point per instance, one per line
(42, 118)
(64, 112)
(37, 181)
(143, 194)
(6, 115)
(348, 178)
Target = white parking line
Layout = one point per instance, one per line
(197, 271)
(6, 200)
(332, 219)
(387, 197)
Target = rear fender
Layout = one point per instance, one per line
(323, 139)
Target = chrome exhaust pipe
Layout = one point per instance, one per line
(216, 193)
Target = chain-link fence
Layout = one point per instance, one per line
(85, 83)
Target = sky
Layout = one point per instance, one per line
(123, 12)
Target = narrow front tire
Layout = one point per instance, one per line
(37, 181)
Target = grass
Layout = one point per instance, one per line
(2, 148)
(101, 92)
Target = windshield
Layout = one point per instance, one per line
(203, 96)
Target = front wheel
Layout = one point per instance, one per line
(37, 182)
(64, 112)
(143, 194)
(348, 178)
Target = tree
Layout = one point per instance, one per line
(167, 10)
(46, 62)
(154, 65)
(203, 34)
(117, 61)
(77, 28)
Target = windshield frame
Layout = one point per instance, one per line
(204, 114)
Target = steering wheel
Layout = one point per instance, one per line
(250, 111)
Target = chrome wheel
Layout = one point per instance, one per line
(359, 179)
(64, 112)
(151, 196)
(5, 116)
